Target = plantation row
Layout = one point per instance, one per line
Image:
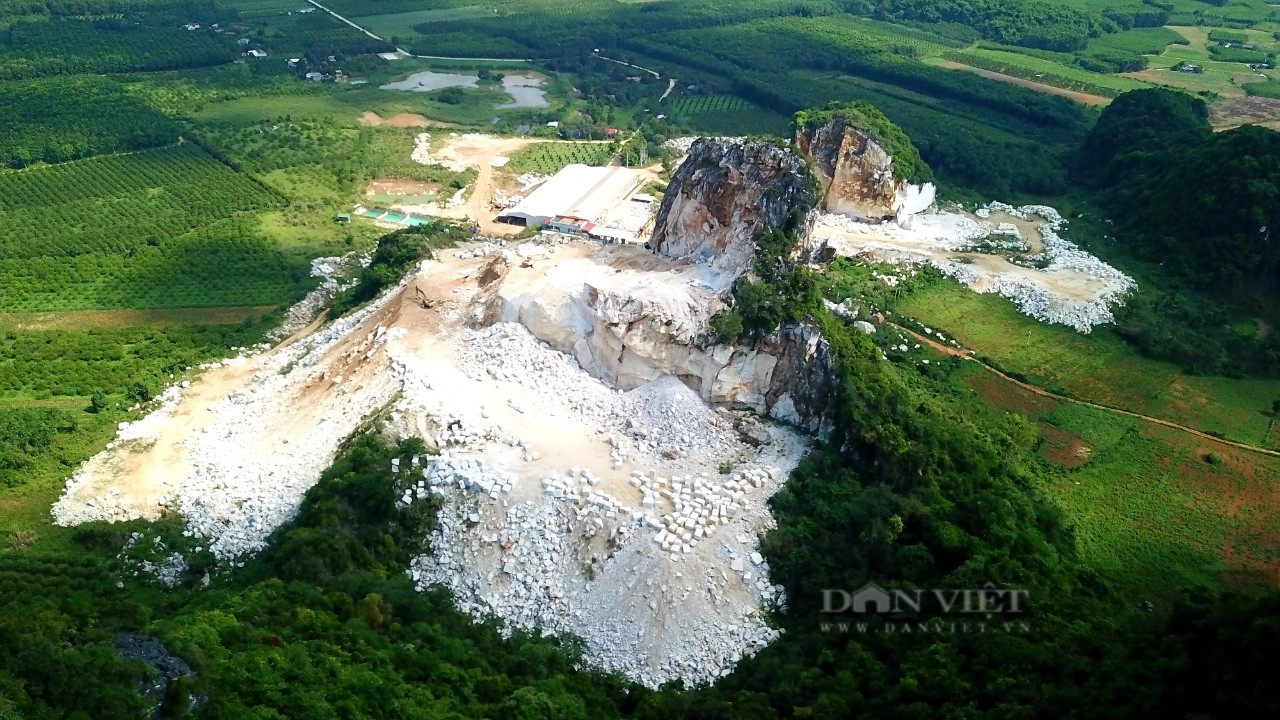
(706, 104)
(118, 204)
(1019, 71)
(70, 118)
(822, 43)
(65, 46)
(80, 363)
(226, 264)
(547, 158)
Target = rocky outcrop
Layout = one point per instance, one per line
(857, 174)
(168, 668)
(628, 332)
(725, 196)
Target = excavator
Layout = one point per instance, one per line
(421, 298)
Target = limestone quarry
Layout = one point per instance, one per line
(603, 465)
(1017, 252)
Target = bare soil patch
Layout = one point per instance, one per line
(394, 186)
(1004, 395)
(80, 319)
(1244, 489)
(1234, 112)
(402, 120)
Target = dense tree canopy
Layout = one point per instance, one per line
(70, 118)
(1205, 205)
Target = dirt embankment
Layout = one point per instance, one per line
(78, 319)
(403, 120)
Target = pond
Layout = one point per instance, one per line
(526, 92)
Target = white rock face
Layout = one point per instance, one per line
(912, 200)
(857, 175)
(724, 197)
(571, 505)
(631, 329)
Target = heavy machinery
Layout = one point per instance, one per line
(421, 298)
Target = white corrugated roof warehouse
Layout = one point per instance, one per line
(578, 191)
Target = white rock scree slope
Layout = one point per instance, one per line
(570, 505)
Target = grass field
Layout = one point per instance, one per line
(1099, 367)
(1152, 507)
(1224, 78)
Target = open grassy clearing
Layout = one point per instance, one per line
(395, 24)
(1099, 367)
(267, 107)
(1152, 507)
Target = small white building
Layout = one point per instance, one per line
(315, 76)
(256, 54)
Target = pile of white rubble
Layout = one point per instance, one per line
(930, 238)
(630, 519)
(333, 273)
(422, 154)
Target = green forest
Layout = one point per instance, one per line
(1204, 205)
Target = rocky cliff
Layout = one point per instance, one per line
(857, 173)
(630, 317)
(630, 329)
(725, 196)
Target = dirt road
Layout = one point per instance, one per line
(946, 350)
(1080, 97)
(409, 54)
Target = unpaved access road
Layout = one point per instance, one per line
(1080, 97)
(967, 355)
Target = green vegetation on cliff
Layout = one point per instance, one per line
(907, 163)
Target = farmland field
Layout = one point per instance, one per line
(1152, 506)
(152, 229)
(1224, 78)
(727, 114)
(1098, 367)
(402, 23)
(547, 158)
(1029, 66)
